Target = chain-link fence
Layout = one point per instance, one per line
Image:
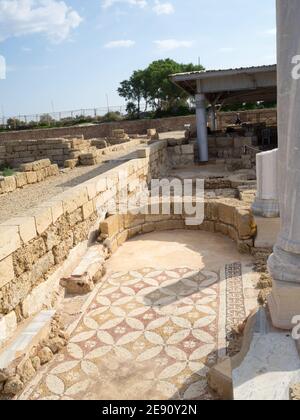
(64, 117)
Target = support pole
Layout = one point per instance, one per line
(201, 117)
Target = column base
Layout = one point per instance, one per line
(266, 208)
(284, 304)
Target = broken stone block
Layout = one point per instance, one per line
(71, 163)
(78, 285)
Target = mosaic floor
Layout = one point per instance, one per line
(149, 334)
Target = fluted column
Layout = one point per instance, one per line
(284, 263)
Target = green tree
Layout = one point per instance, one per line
(134, 90)
(153, 85)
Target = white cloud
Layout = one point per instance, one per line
(122, 43)
(53, 18)
(163, 8)
(109, 3)
(172, 44)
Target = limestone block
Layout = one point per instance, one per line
(43, 218)
(6, 271)
(74, 199)
(224, 142)
(80, 285)
(8, 325)
(134, 231)
(87, 209)
(242, 142)
(91, 189)
(70, 163)
(21, 179)
(226, 213)
(211, 210)
(122, 237)
(111, 226)
(143, 153)
(101, 185)
(26, 227)
(244, 223)
(267, 231)
(187, 149)
(56, 206)
(8, 184)
(220, 379)
(131, 220)
(31, 177)
(26, 167)
(207, 226)
(9, 240)
(148, 228)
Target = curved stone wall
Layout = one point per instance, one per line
(229, 217)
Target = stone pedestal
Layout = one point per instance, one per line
(266, 203)
(284, 263)
(267, 231)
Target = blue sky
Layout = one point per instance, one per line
(70, 54)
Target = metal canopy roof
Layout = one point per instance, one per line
(249, 84)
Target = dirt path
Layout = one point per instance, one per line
(16, 203)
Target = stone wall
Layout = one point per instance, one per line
(32, 173)
(256, 116)
(230, 217)
(104, 130)
(59, 150)
(34, 247)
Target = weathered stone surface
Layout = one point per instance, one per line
(13, 386)
(9, 240)
(87, 209)
(21, 179)
(26, 371)
(25, 257)
(6, 271)
(45, 355)
(26, 227)
(78, 285)
(8, 325)
(43, 218)
(31, 177)
(36, 363)
(111, 226)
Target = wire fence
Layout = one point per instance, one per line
(52, 118)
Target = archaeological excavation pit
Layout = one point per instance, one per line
(149, 299)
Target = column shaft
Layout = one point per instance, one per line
(201, 117)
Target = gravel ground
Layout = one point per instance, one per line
(16, 203)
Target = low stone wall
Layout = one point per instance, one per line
(34, 247)
(255, 116)
(104, 130)
(268, 116)
(63, 151)
(229, 217)
(32, 173)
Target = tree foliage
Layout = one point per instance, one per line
(153, 87)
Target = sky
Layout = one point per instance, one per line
(72, 54)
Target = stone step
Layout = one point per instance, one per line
(26, 337)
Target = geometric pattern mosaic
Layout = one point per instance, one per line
(148, 334)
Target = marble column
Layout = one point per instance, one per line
(284, 263)
(266, 203)
(201, 117)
